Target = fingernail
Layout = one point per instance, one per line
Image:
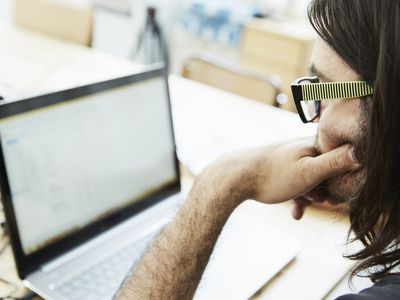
(352, 155)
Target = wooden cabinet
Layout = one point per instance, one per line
(60, 19)
(282, 48)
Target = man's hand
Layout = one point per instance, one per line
(317, 195)
(282, 172)
(172, 268)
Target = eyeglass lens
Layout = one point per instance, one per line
(310, 108)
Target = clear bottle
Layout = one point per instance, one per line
(151, 47)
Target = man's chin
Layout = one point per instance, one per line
(345, 188)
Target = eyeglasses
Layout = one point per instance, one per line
(308, 93)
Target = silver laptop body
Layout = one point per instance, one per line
(88, 177)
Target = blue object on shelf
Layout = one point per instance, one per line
(224, 19)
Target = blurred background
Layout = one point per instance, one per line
(254, 48)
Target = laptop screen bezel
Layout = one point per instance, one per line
(29, 263)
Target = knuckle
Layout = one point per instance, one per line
(336, 160)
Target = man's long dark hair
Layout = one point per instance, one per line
(366, 35)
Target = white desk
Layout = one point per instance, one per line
(32, 64)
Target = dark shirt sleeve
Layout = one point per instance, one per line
(387, 289)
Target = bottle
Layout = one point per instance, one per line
(151, 47)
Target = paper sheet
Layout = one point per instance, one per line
(249, 253)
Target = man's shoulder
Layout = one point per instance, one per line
(387, 288)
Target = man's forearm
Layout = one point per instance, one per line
(173, 266)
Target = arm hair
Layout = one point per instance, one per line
(173, 266)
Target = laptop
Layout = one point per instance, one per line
(88, 177)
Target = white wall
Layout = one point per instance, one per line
(6, 11)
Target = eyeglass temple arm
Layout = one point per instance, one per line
(331, 90)
(297, 92)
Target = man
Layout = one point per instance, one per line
(355, 158)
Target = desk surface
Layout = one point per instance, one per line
(33, 64)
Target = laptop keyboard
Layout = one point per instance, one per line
(102, 280)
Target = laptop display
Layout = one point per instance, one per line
(78, 161)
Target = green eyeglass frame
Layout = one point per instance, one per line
(308, 93)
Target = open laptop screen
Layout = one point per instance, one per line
(75, 162)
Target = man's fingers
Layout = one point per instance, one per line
(332, 163)
(318, 195)
(297, 212)
(302, 201)
(299, 206)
